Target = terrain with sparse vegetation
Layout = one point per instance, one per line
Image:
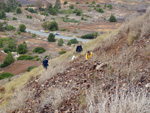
(115, 80)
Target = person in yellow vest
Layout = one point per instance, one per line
(89, 54)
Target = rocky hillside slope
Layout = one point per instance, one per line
(116, 79)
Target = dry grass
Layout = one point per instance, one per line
(120, 102)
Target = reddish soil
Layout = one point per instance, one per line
(19, 67)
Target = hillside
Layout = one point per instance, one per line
(116, 79)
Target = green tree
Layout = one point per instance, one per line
(60, 42)
(53, 26)
(53, 11)
(11, 44)
(8, 60)
(45, 25)
(78, 12)
(12, 4)
(65, 2)
(112, 19)
(51, 37)
(2, 14)
(2, 4)
(58, 4)
(71, 6)
(1, 26)
(22, 28)
(22, 48)
(39, 50)
(18, 11)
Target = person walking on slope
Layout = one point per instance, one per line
(89, 54)
(45, 63)
(79, 48)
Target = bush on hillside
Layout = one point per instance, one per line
(51, 37)
(65, 2)
(112, 19)
(53, 11)
(18, 11)
(22, 28)
(10, 28)
(73, 41)
(39, 50)
(22, 48)
(25, 57)
(100, 10)
(53, 26)
(33, 35)
(2, 14)
(71, 6)
(8, 60)
(5, 75)
(14, 18)
(62, 52)
(89, 36)
(60, 42)
(30, 68)
(78, 12)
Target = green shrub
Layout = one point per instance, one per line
(29, 53)
(60, 42)
(31, 10)
(71, 6)
(10, 28)
(69, 43)
(8, 60)
(51, 37)
(110, 7)
(19, 4)
(39, 50)
(53, 26)
(64, 11)
(65, 2)
(2, 14)
(89, 36)
(87, 3)
(5, 75)
(100, 10)
(93, 2)
(62, 52)
(18, 11)
(77, 3)
(29, 16)
(22, 28)
(78, 12)
(30, 68)
(33, 35)
(63, 29)
(14, 18)
(112, 19)
(74, 41)
(22, 48)
(97, 5)
(53, 11)
(25, 57)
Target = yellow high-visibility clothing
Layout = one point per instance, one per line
(89, 56)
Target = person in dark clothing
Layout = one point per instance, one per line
(45, 63)
(79, 48)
